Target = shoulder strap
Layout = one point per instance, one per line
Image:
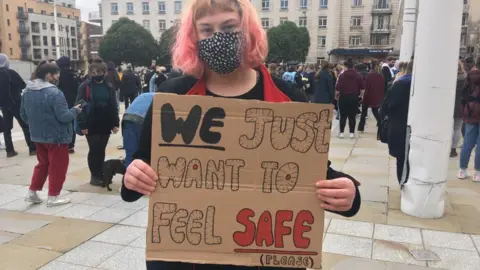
(87, 92)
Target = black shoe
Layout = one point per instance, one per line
(95, 181)
(12, 154)
(453, 153)
(71, 151)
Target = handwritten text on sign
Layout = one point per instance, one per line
(237, 181)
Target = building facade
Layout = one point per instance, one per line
(93, 36)
(27, 30)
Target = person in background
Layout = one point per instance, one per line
(310, 76)
(402, 68)
(120, 73)
(387, 72)
(160, 77)
(100, 121)
(457, 112)
(471, 117)
(114, 79)
(395, 107)
(130, 86)
(68, 84)
(11, 86)
(350, 87)
(324, 91)
(234, 31)
(469, 64)
(273, 69)
(50, 118)
(374, 93)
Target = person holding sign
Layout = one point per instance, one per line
(221, 47)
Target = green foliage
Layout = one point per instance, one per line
(287, 42)
(164, 47)
(127, 41)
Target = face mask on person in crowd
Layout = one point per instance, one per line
(98, 78)
(222, 53)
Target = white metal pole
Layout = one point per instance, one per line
(57, 39)
(430, 116)
(408, 30)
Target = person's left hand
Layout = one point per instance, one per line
(115, 130)
(337, 194)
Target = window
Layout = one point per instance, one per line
(8, 22)
(145, 8)
(381, 23)
(43, 12)
(129, 8)
(302, 22)
(74, 54)
(72, 31)
(68, 42)
(283, 4)
(66, 29)
(74, 43)
(36, 41)
(45, 41)
(114, 8)
(463, 39)
(380, 40)
(146, 24)
(44, 26)
(54, 43)
(11, 51)
(357, 3)
(35, 27)
(6, 7)
(30, 10)
(162, 25)
(465, 19)
(265, 4)
(52, 26)
(45, 52)
(59, 15)
(283, 19)
(178, 6)
(303, 3)
(323, 3)
(265, 23)
(161, 7)
(37, 53)
(322, 41)
(9, 36)
(62, 42)
(69, 16)
(382, 4)
(60, 28)
(322, 22)
(355, 40)
(356, 22)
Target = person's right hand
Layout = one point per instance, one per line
(78, 108)
(85, 131)
(140, 177)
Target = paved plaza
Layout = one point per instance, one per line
(100, 231)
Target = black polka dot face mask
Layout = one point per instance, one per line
(223, 52)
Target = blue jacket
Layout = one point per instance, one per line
(45, 109)
(138, 109)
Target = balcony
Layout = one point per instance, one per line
(22, 15)
(25, 57)
(23, 30)
(95, 17)
(466, 8)
(381, 9)
(24, 43)
(381, 30)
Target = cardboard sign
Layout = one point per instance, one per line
(237, 181)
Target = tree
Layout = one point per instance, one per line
(287, 42)
(164, 55)
(127, 41)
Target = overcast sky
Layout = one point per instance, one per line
(87, 6)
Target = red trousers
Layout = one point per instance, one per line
(53, 161)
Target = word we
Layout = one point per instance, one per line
(307, 130)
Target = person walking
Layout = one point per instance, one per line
(324, 86)
(350, 87)
(68, 84)
(114, 79)
(100, 121)
(130, 86)
(236, 71)
(471, 117)
(457, 112)
(395, 107)
(158, 78)
(374, 93)
(11, 86)
(49, 116)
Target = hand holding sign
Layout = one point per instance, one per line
(140, 177)
(337, 194)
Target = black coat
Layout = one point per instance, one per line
(68, 84)
(11, 86)
(130, 84)
(461, 79)
(324, 91)
(395, 107)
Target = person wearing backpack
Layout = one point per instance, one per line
(471, 117)
(11, 86)
(100, 120)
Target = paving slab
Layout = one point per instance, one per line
(90, 254)
(348, 245)
(448, 240)
(121, 235)
(397, 234)
(455, 259)
(351, 228)
(112, 215)
(395, 252)
(18, 257)
(448, 223)
(7, 236)
(139, 219)
(21, 226)
(80, 211)
(57, 265)
(126, 259)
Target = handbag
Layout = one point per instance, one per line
(382, 133)
(85, 110)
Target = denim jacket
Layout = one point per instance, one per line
(45, 109)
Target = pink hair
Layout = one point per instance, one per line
(185, 54)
